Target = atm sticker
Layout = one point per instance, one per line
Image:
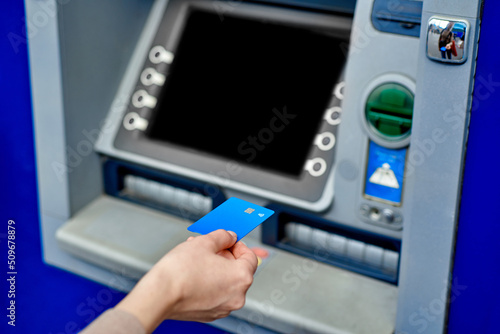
(385, 173)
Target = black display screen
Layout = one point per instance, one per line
(248, 90)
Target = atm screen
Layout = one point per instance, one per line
(248, 90)
(256, 88)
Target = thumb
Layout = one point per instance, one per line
(222, 239)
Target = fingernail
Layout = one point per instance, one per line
(233, 234)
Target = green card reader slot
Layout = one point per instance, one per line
(389, 111)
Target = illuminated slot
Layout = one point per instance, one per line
(187, 202)
(389, 111)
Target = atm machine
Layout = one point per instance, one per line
(347, 118)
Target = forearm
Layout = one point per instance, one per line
(148, 302)
(115, 321)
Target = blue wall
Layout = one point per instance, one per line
(49, 300)
(476, 307)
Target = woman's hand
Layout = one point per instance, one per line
(202, 279)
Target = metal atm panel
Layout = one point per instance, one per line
(369, 218)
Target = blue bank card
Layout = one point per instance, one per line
(235, 215)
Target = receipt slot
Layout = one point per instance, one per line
(336, 116)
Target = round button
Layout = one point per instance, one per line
(316, 167)
(142, 99)
(333, 115)
(150, 77)
(374, 214)
(364, 210)
(158, 54)
(133, 121)
(339, 90)
(388, 216)
(325, 141)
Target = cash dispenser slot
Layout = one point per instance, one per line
(181, 197)
(189, 202)
(325, 241)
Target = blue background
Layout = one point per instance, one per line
(48, 300)
(53, 301)
(477, 259)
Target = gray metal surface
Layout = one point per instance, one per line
(442, 107)
(48, 112)
(55, 256)
(77, 57)
(290, 293)
(77, 61)
(97, 39)
(374, 57)
(107, 233)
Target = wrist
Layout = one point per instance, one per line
(150, 301)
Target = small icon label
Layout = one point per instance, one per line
(261, 215)
(385, 176)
